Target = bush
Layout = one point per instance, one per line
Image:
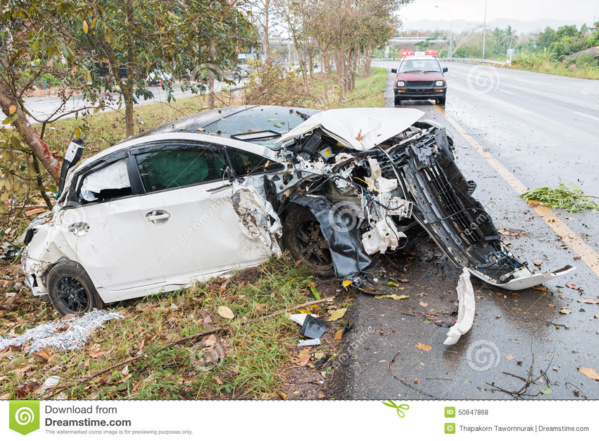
(276, 85)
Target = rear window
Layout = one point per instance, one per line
(173, 168)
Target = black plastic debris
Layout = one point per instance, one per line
(313, 327)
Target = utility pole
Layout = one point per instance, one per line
(485, 30)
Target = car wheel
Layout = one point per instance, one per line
(304, 240)
(397, 101)
(70, 289)
(441, 101)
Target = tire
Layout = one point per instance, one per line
(70, 289)
(397, 101)
(442, 101)
(305, 242)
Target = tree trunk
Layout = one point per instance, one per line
(127, 91)
(265, 30)
(211, 93)
(30, 136)
(129, 121)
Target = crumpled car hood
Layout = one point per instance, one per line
(358, 129)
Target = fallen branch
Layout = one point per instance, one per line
(404, 382)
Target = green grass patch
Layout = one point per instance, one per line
(255, 352)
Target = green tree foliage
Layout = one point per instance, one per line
(76, 41)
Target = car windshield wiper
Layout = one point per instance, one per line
(410, 71)
(428, 71)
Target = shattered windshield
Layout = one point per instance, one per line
(272, 121)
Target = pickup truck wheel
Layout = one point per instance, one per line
(70, 289)
(397, 101)
(442, 101)
(304, 240)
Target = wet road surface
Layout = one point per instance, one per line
(540, 138)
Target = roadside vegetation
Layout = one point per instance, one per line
(138, 357)
(568, 51)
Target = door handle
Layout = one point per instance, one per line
(158, 216)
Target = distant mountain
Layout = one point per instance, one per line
(522, 27)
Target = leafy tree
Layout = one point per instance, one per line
(137, 37)
(73, 39)
(547, 37)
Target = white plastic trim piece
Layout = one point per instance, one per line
(465, 310)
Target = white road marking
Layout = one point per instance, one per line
(587, 116)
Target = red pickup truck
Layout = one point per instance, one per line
(420, 78)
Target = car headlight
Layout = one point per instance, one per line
(401, 84)
(439, 83)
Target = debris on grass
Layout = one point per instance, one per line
(567, 198)
(311, 342)
(66, 334)
(391, 296)
(337, 314)
(313, 327)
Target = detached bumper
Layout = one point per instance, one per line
(420, 92)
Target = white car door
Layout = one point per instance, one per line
(111, 238)
(189, 213)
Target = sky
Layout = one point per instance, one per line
(525, 10)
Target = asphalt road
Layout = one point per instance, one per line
(543, 129)
(43, 107)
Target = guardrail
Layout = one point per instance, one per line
(475, 61)
(456, 60)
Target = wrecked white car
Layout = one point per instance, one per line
(227, 189)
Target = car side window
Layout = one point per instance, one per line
(245, 163)
(106, 183)
(180, 167)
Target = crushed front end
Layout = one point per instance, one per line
(366, 196)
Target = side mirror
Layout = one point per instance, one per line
(393, 70)
(71, 158)
(445, 69)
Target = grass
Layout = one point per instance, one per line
(257, 353)
(544, 64)
(367, 93)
